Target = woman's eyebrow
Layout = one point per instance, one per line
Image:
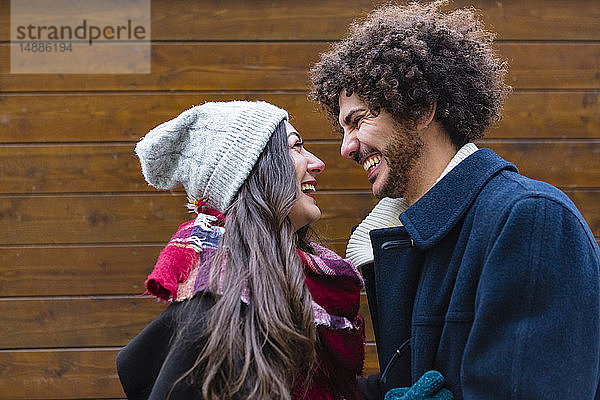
(295, 133)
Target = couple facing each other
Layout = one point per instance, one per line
(470, 268)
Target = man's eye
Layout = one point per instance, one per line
(299, 143)
(357, 120)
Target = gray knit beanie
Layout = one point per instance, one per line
(210, 149)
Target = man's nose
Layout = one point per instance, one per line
(350, 145)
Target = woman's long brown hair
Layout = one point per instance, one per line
(258, 350)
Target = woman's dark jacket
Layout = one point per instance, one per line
(153, 360)
(168, 347)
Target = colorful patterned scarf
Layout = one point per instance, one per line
(182, 270)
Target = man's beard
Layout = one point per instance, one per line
(401, 155)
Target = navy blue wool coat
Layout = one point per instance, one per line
(494, 281)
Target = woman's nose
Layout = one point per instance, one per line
(315, 164)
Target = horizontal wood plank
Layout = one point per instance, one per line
(59, 374)
(120, 117)
(199, 66)
(80, 168)
(566, 164)
(287, 20)
(142, 218)
(552, 65)
(549, 115)
(154, 218)
(538, 19)
(234, 66)
(86, 322)
(100, 117)
(84, 270)
(89, 168)
(266, 20)
(258, 20)
(115, 168)
(74, 322)
(77, 374)
(91, 219)
(76, 270)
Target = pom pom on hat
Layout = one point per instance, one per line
(209, 149)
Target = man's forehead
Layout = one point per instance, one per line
(349, 105)
(353, 101)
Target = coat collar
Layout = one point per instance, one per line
(437, 212)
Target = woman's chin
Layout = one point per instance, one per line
(309, 216)
(316, 215)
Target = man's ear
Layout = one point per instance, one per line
(425, 120)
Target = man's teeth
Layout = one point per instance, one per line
(307, 187)
(371, 162)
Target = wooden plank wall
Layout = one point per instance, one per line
(80, 229)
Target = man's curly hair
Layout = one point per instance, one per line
(404, 59)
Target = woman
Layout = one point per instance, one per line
(258, 311)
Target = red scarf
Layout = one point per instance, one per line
(340, 350)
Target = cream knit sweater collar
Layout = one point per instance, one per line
(385, 215)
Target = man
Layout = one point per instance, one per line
(471, 269)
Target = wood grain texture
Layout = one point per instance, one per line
(74, 322)
(83, 230)
(566, 164)
(129, 219)
(371, 360)
(234, 66)
(539, 19)
(77, 373)
(49, 168)
(289, 20)
(69, 322)
(80, 270)
(97, 117)
(59, 374)
(199, 66)
(552, 65)
(76, 270)
(588, 203)
(549, 115)
(141, 218)
(113, 168)
(91, 219)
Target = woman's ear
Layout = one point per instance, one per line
(425, 120)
